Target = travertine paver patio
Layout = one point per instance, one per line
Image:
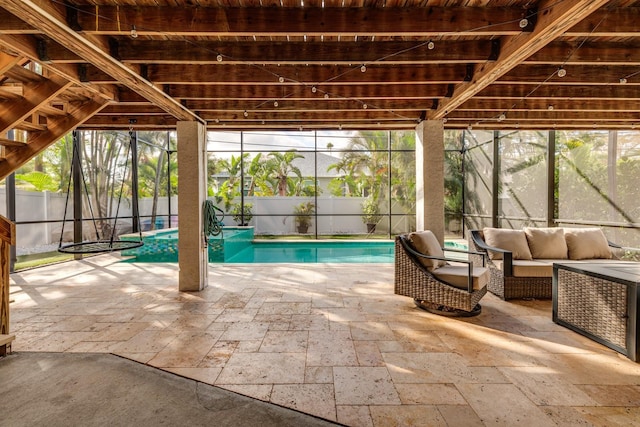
(332, 341)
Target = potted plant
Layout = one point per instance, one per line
(242, 214)
(304, 213)
(370, 213)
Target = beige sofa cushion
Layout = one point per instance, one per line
(514, 241)
(546, 242)
(427, 243)
(457, 276)
(586, 243)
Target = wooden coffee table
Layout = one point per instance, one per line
(600, 301)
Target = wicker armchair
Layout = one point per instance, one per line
(430, 290)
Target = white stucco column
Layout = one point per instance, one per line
(192, 192)
(430, 177)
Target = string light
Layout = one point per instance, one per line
(246, 113)
(431, 45)
(365, 106)
(134, 33)
(219, 58)
(363, 68)
(562, 72)
(550, 107)
(523, 23)
(326, 96)
(281, 79)
(502, 117)
(623, 80)
(314, 89)
(275, 103)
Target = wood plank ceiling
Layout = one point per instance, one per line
(318, 64)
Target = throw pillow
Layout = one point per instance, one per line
(546, 243)
(427, 243)
(511, 240)
(586, 243)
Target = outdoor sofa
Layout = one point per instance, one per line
(521, 261)
(438, 284)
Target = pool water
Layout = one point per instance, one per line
(316, 252)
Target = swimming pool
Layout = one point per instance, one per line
(236, 245)
(316, 251)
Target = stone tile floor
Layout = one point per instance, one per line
(330, 340)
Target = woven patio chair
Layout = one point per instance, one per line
(440, 285)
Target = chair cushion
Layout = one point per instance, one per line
(514, 241)
(546, 243)
(427, 243)
(586, 243)
(457, 276)
(535, 268)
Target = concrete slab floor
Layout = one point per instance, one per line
(329, 340)
(64, 389)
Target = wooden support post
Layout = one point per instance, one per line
(7, 238)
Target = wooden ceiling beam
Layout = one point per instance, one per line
(591, 105)
(554, 18)
(549, 116)
(223, 74)
(578, 93)
(28, 47)
(43, 15)
(137, 51)
(278, 91)
(297, 21)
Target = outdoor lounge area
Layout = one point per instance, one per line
(330, 340)
(399, 124)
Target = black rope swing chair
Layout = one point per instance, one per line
(103, 242)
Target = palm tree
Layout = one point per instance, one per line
(279, 167)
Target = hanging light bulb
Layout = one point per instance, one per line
(314, 89)
(502, 117)
(363, 68)
(623, 80)
(550, 107)
(562, 72)
(246, 113)
(275, 104)
(281, 79)
(219, 58)
(431, 45)
(365, 106)
(523, 23)
(134, 33)
(469, 128)
(326, 96)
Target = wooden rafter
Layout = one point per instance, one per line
(554, 19)
(44, 16)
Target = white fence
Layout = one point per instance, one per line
(271, 215)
